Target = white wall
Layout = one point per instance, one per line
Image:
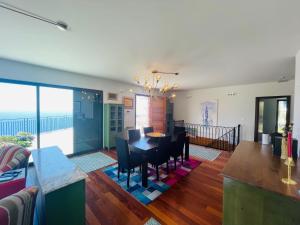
(297, 100)
(27, 72)
(232, 110)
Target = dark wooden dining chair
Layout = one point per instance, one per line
(178, 129)
(177, 147)
(127, 160)
(161, 154)
(148, 130)
(134, 134)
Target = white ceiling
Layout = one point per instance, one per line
(210, 42)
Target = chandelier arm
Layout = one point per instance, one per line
(161, 72)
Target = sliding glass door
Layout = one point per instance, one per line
(56, 118)
(37, 116)
(18, 115)
(88, 120)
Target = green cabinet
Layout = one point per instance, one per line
(113, 123)
(61, 197)
(244, 204)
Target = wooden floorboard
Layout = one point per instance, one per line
(196, 199)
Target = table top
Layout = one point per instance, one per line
(155, 134)
(255, 164)
(144, 144)
(54, 170)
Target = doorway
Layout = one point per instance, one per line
(272, 115)
(142, 117)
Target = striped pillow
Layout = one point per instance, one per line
(18, 209)
(12, 157)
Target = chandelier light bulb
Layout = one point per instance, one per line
(158, 77)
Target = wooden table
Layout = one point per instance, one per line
(155, 135)
(145, 145)
(253, 191)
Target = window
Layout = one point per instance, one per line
(18, 115)
(56, 118)
(36, 116)
(142, 111)
(281, 115)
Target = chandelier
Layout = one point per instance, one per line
(155, 84)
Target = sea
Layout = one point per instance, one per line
(21, 115)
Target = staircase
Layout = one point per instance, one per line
(217, 137)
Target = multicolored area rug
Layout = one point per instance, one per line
(155, 188)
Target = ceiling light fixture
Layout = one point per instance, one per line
(151, 84)
(59, 24)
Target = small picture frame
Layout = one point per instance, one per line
(112, 96)
(128, 102)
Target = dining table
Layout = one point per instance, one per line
(145, 145)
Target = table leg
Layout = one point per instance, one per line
(187, 148)
(145, 174)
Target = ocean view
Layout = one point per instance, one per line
(20, 115)
(11, 123)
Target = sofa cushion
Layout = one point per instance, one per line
(18, 209)
(12, 157)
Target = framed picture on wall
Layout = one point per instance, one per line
(128, 102)
(209, 113)
(112, 96)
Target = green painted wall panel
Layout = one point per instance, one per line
(66, 205)
(244, 204)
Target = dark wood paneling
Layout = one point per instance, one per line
(158, 113)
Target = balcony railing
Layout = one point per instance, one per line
(218, 137)
(10, 127)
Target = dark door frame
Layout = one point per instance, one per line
(257, 99)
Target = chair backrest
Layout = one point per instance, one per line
(164, 147)
(180, 141)
(122, 152)
(13, 157)
(178, 130)
(134, 134)
(18, 209)
(148, 130)
(179, 123)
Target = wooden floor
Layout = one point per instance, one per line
(196, 199)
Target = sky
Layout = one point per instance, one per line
(22, 98)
